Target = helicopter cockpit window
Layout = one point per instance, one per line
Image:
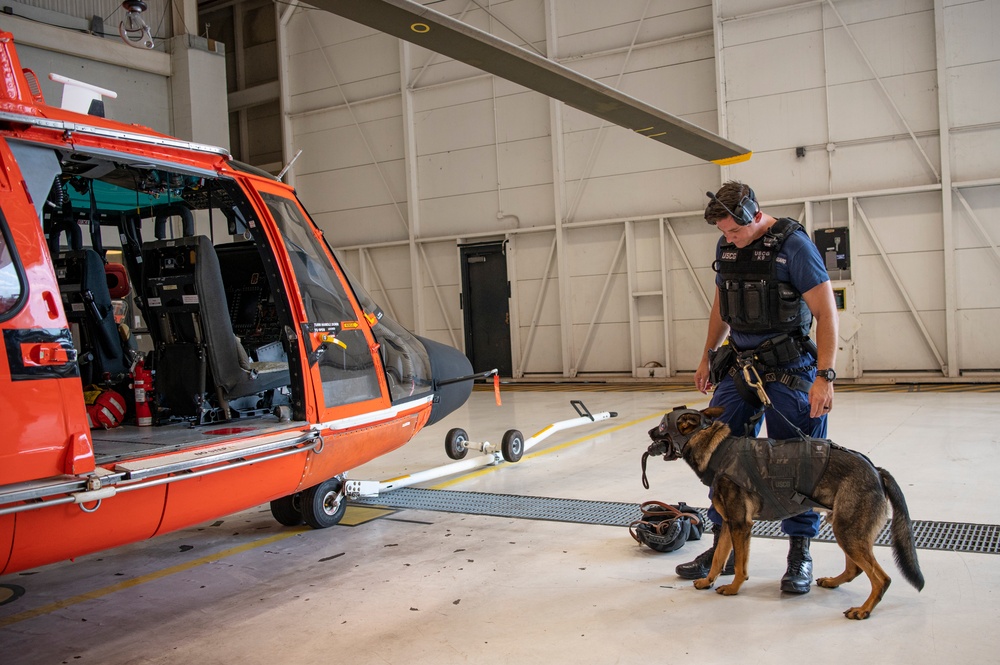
(345, 361)
(407, 367)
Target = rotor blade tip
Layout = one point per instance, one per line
(727, 161)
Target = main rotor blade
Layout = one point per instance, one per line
(438, 32)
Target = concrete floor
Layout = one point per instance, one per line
(416, 586)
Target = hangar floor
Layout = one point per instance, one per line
(412, 585)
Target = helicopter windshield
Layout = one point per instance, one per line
(407, 366)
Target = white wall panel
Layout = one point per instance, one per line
(779, 174)
(894, 45)
(860, 110)
(974, 92)
(980, 153)
(977, 345)
(777, 121)
(890, 342)
(359, 226)
(779, 65)
(803, 20)
(883, 165)
(970, 32)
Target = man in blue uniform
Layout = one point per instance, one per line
(771, 283)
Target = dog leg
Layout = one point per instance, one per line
(722, 549)
(740, 537)
(851, 570)
(880, 582)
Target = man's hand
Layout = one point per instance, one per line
(820, 398)
(701, 381)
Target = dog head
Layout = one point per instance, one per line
(676, 428)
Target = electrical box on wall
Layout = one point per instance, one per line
(834, 247)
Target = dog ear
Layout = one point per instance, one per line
(713, 412)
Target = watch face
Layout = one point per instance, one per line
(828, 374)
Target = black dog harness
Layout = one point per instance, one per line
(783, 472)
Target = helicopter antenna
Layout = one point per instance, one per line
(289, 165)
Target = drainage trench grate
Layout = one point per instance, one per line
(949, 536)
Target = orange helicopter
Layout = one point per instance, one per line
(216, 358)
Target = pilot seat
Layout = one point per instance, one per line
(203, 372)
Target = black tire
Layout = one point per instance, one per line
(287, 510)
(453, 443)
(323, 505)
(512, 445)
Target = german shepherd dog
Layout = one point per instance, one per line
(856, 493)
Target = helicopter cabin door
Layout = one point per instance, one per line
(486, 307)
(339, 354)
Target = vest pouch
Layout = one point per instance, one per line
(754, 303)
(729, 300)
(778, 351)
(719, 362)
(789, 302)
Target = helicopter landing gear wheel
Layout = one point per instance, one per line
(324, 505)
(454, 443)
(512, 445)
(288, 510)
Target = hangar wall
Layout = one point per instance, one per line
(407, 154)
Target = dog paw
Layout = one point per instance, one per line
(703, 583)
(728, 590)
(827, 582)
(857, 613)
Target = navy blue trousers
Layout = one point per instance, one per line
(794, 405)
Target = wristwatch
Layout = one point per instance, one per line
(827, 374)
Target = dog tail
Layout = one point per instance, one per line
(903, 549)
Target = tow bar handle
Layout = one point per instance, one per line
(581, 409)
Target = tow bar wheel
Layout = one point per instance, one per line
(454, 443)
(323, 505)
(512, 445)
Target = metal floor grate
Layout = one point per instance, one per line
(949, 536)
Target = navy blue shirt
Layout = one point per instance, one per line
(799, 264)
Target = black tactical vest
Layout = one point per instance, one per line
(751, 299)
(784, 473)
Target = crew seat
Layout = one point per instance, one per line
(83, 286)
(201, 366)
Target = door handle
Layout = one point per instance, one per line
(42, 354)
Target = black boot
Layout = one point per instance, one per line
(697, 569)
(799, 576)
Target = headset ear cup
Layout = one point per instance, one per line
(748, 208)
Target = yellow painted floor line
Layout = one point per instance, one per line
(128, 584)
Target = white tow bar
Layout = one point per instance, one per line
(457, 445)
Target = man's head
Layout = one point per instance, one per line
(735, 212)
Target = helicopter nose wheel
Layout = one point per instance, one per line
(324, 505)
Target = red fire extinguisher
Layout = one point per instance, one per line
(142, 382)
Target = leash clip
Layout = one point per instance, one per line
(755, 382)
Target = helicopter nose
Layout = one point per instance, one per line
(447, 363)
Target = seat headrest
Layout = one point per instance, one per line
(117, 278)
